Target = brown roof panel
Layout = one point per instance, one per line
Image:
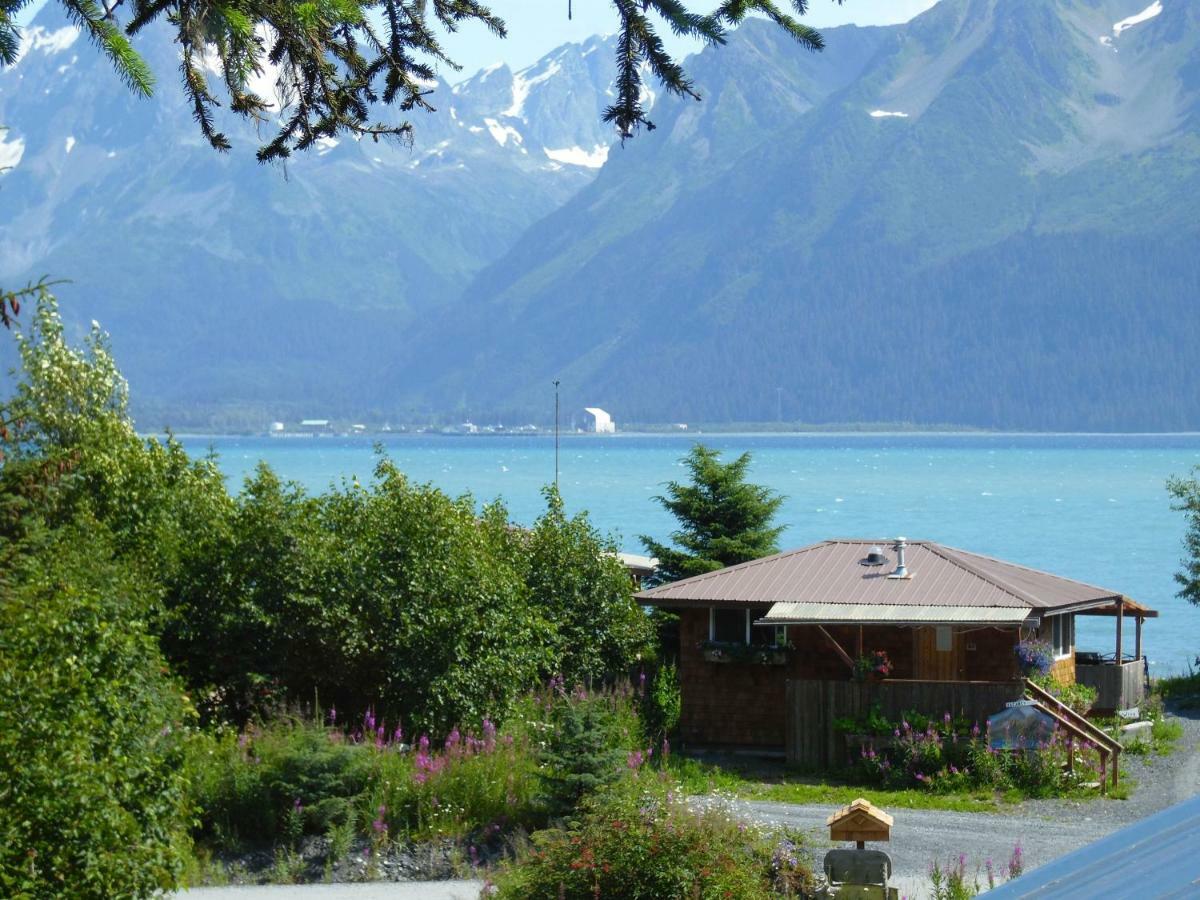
(829, 572)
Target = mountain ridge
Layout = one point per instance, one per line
(978, 217)
(923, 173)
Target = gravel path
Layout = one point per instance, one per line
(1045, 828)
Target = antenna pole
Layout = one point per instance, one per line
(556, 434)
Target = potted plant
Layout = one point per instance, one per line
(874, 667)
(1034, 657)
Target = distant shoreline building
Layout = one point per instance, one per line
(597, 421)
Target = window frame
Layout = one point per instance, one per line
(1062, 635)
(779, 630)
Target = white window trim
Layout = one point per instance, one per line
(780, 631)
(712, 625)
(1068, 624)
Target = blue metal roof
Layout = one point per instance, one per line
(1156, 857)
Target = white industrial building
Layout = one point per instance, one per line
(597, 421)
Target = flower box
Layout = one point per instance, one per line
(746, 654)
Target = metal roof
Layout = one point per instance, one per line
(830, 573)
(895, 613)
(1155, 857)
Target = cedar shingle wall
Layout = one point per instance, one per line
(994, 657)
(727, 703)
(1062, 670)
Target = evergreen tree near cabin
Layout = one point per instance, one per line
(1186, 494)
(723, 519)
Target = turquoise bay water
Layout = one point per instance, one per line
(1091, 507)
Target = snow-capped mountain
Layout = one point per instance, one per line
(222, 280)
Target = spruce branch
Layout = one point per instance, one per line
(340, 61)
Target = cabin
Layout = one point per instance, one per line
(768, 649)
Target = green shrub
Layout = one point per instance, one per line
(92, 797)
(246, 787)
(471, 785)
(639, 838)
(588, 741)
(1080, 697)
(662, 704)
(947, 757)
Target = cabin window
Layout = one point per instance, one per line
(1062, 631)
(736, 626)
(729, 626)
(945, 639)
(768, 635)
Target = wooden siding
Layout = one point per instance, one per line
(939, 665)
(812, 706)
(1062, 670)
(744, 704)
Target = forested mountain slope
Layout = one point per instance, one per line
(989, 222)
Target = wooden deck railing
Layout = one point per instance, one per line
(1080, 727)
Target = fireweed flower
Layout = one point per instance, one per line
(333, 715)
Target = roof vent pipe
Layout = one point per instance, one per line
(901, 569)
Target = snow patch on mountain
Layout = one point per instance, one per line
(38, 38)
(1144, 16)
(522, 82)
(501, 133)
(10, 152)
(577, 156)
(69, 143)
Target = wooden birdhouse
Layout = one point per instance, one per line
(860, 821)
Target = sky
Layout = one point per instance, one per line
(535, 27)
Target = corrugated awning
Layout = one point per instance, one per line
(893, 614)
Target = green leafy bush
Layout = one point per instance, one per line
(92, 799)
(473, 785)
(949, 757)
(662, 703)
(1080, 697)
(639, 838)
(250, 788)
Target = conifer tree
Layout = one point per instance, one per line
(723, 519)
(1186, 494)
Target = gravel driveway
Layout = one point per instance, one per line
(1045, 828)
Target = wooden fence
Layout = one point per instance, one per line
(812, 707)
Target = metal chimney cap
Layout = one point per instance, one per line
(874, 557)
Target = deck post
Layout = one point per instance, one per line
(1137, 637)
(860, 641)
(1120, 621)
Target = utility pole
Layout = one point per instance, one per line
(556, 434)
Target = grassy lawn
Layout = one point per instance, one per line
(773, 782)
